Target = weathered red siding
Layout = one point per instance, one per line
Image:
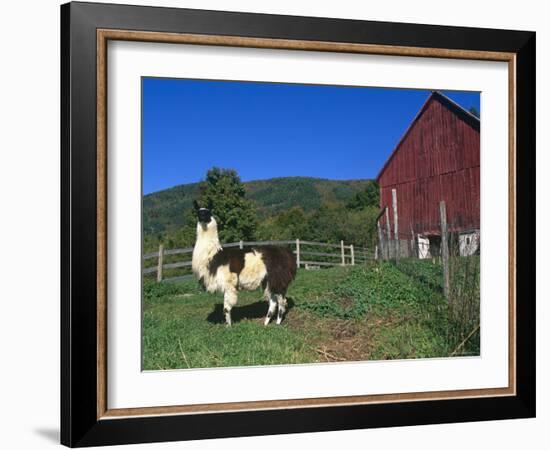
(437, 159)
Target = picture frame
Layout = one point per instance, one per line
(86, 418)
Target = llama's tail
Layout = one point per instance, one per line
(292, 263)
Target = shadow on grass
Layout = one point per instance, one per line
(255, 310)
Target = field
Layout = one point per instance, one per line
(373, 312)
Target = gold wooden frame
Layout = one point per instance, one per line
(103, 36)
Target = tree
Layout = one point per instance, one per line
(333, 223)
(290, 224)
(473, 110)
(222, 192)
(369, 197)
(361, 226)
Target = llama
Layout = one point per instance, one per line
(228, 270)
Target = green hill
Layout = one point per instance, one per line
(164, 210)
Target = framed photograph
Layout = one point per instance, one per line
(277, 224)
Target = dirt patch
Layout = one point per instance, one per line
(349, 341)
(296, 320)
(345, 302)
(344, 330)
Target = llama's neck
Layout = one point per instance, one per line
(206, 246)
(207, 243)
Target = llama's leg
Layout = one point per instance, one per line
(271, 308)
(267, 294)
(229, 300)
(281, 300)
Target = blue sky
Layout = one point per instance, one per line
(266, 130)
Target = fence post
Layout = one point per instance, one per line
(395, 223)
(160, 263)
(388, 232)
(380, 238)
(444, 249)
(298, 253)
(343, 253)
(376, 252)
(241, 244)
(352, 255)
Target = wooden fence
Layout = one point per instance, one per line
(396, 247)
(310, 255)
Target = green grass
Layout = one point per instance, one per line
(337, 314)
(462, 321)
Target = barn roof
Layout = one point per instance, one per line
(462, 113)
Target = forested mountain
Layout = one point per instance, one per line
(165, 210)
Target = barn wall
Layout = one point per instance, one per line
(437, 160)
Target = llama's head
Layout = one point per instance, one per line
(204, 215)
(206, 225)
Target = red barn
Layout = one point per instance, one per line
(436, 159)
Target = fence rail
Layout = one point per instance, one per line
(347, 254)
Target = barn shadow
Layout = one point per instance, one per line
(255, 310)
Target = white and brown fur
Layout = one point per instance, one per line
(232, 269)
